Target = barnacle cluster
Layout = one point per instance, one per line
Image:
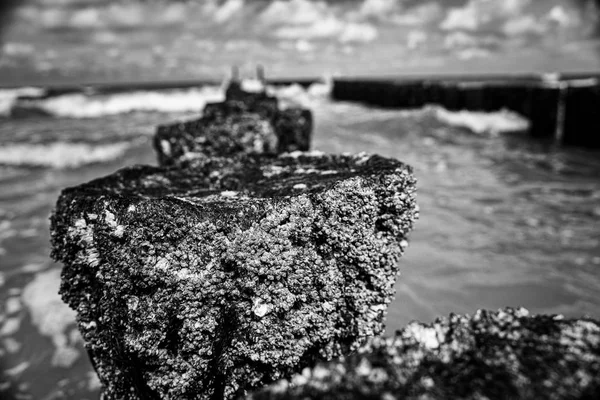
(212, 279)
(507, 354)
(249, 123)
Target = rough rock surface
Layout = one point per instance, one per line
(208, 281)
(243, 123)
(491, 355)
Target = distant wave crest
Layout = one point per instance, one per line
(60, 155)
(296, 95)
(82, 105)
(10, 97)
(492, 123)
(482, 123)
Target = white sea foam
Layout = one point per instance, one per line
(60, 155)
(252, 85)
(18, 369)
(8, 97)
(7, 231)
(79, 105)
(492, 123)
(52, 317)
(296, 95)
(10, 326)
(483, 123)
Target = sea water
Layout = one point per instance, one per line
(505, 220)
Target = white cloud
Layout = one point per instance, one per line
(50, 18)
(462, 40)
(329, 28)
(354, 33)
(476, 13)
(228, 10)
(17, 49)
(523, 25)
(319, 29)
(418, 15)
(459, 40)
(473, 53)
(295, 12)
(394, 11)
(562, 17)
(86, 18)
(71, 2)
(465, 18)
(511, 7)
(105, 37)
(312, 20)
(415, 39)
(469, 46)
(119, 15)
(304, 46)
(378, 9)
(557, 17)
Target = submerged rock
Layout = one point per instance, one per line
(243, 123)
(208, 281)
(491, 355)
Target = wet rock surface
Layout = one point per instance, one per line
(491, 355)
(243, 123)
(208, 281)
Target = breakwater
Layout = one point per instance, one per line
(561, 109)
(222, 274)
(228, 266)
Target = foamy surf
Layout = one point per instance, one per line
(52, 317)
(81, 105)
(61, 155)
(10, 97)
(491, 123)
(479, 122)
(298, 96)
(85, 105)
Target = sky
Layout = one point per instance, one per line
(60, 41)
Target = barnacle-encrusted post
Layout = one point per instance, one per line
(208, 281)
(245, 122)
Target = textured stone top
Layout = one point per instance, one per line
(208, 281)
(491, 355)
(241, 178)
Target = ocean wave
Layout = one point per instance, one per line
(61, 155)
(80, 105)
(83, 105)
(479, 122)
(298, 96)
(491, 123)
(9, 97)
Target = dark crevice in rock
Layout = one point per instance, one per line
(219, 370)
(133, 371)
(171, 342)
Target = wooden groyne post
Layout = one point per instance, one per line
(565, 109)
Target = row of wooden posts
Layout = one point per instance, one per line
(563, 110)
